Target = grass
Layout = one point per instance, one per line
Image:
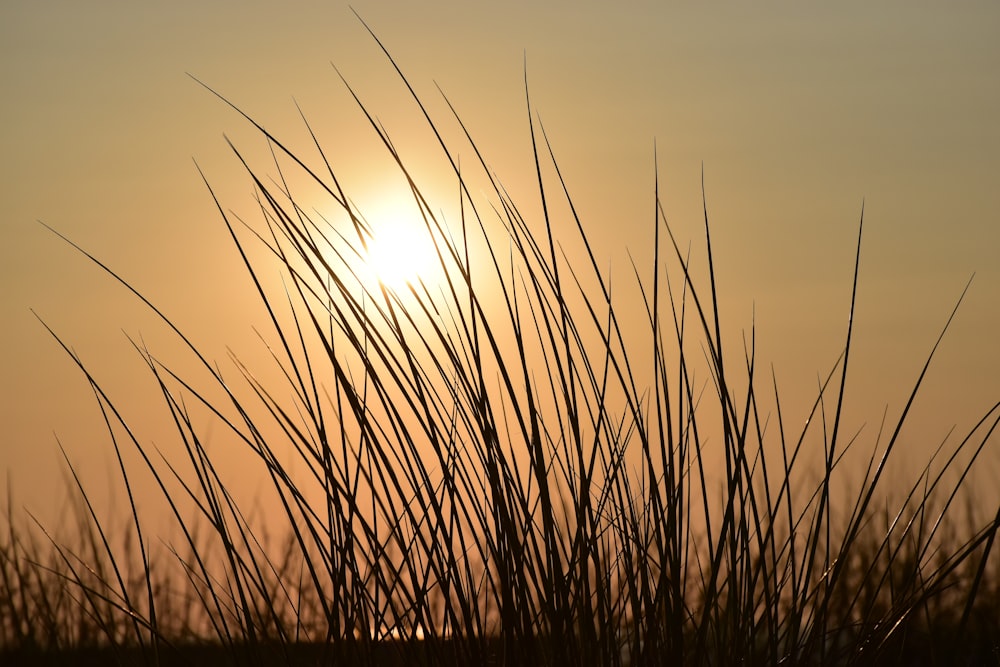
(501, 465)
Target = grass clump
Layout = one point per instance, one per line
(500, 465)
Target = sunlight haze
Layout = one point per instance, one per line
(795, 116)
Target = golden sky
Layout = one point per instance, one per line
(798, 113)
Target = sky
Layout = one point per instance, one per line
(796, 115)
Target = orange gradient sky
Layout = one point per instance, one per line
(799, 113)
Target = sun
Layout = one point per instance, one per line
(400, 251)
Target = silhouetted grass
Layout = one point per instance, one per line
(500, 465)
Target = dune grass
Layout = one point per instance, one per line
(503, 466)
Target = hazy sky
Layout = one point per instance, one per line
(798, 113)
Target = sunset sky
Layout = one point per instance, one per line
(798, 114)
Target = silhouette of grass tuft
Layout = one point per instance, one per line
(498, 464)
